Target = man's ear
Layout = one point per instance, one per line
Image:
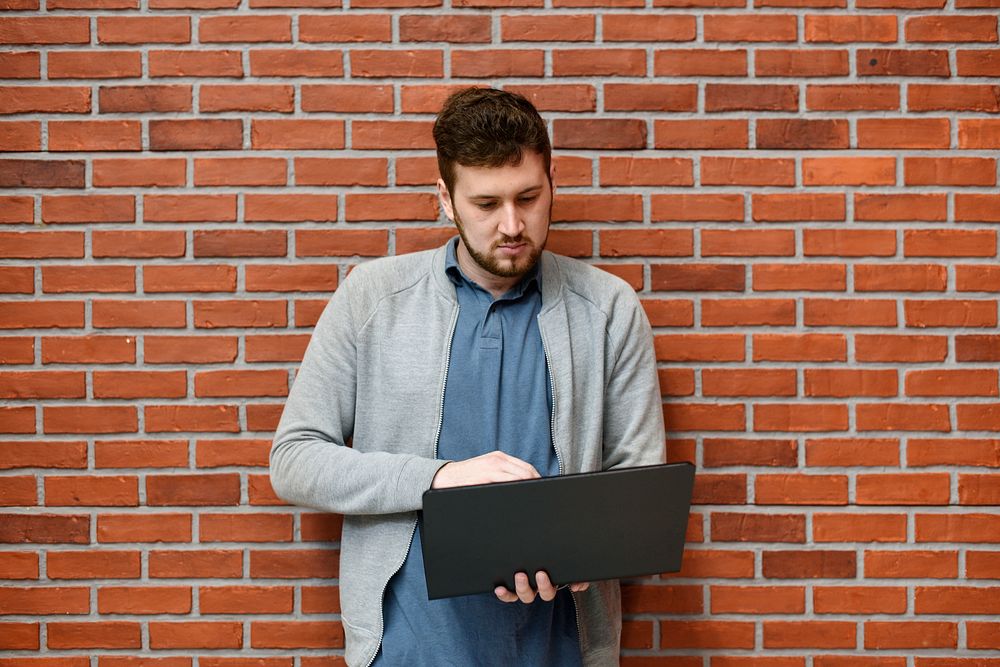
(445, 198)
(552, 177)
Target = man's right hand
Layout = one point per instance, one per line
(486, 469)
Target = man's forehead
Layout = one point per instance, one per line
(528, 173)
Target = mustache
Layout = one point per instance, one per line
(508, 240)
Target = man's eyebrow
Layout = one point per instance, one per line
(525, 191)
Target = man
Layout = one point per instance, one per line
(485, 360)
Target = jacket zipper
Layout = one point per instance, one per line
(552, 437)
(413, 529)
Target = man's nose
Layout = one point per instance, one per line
(511, 223)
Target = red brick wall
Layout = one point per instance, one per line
(804, 192)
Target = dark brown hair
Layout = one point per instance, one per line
(486, 127)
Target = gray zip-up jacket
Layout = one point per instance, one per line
(358, 435)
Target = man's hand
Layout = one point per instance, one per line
(546, 590)
(486, 469)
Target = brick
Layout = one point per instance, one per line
(245, 97)
(295, 634)
(903, 489)
(722, 452)
(836, 97)
(61, 600)
(201, 278)
(662, 599)
(949, 171)
(747, 312)
(979, 417)
(374, 63)
(17, 279)
(252, 29)
(17, 419)
(189, 349)
(750, 382)
(800, 418)
(399, 206)
(46, 529)
(885, 208)
(42, 454)
(645, 171)
(344, 243)
(738, 527)
(603, 62)
(921, 97)
(137, 244)
(453, 28)
(810, 634)
(380, 135)
(223, 453)
(144, 99)
(202, 418)
(720, 489)
(201, 564)
(613, 134)
(88, 208)
(100, 349)
(696, 62)
(89, 419)
(800, 133)
(977, 62)
(21, 65)
(19, 636)
(707, 634)
(860, 528)
(850, 382)
(954, 313)
(848, 242)
(951, 383)
(699, 347)
(979, 635)
(800, 490)
(969, 452)
(903, 417)
(903, 133)
(911, 564)
(245, 599)
(46, 99)
(899, 348)
(977, 348)
(698, 417)
(910, 634)
(241, 383)
(810, 277)
(955, 600)
(19, 491)
(139, 172)
(809, 564)
(957, 528)
(240, 243)
(648, 28)
(749, 28)
(17, 210)
(186, 135)
(902, 62)
(537, 28)
(45, 30)
(158, 527)
(696, 207)
(121, 491)
(267, 134)
(747, 171)
(348, 28)
(189, 208)
(140, 453)
(489, 63)
(758, 599)
(200, 489)
(42, 173)
(94, 564)
(109, 314)
(707, 134)
(144, 600)
(798, 207)
(849, 171)
(754, 97)
(203, 62)
(845, 28)
(746, 243)
(801, 63)
(692, 277)
(977, 208)
(296, 62)
(41, 315)
(139, 384)
(42, 384)
(341, 171)
(951, 29)
(239, 171)
(195, 634)
(276, 348)
(978, 490)
(143, 29)
(982, 564)
(559, 97)
(91, 65)
(320, 599)
(650, 97)
(246, 528)
(294, 564)
(17, 350)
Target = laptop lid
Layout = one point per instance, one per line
(586, 527)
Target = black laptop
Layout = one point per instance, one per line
(626, 522)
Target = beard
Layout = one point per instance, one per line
(503, 267)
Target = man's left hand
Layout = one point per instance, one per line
(524, 593)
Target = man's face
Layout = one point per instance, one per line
(502, 214)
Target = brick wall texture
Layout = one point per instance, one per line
(803, 193)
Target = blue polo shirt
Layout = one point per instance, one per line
(497, 397)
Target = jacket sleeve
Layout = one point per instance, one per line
(311, 463)
(633, 407)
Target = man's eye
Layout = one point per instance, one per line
(528, 200)
(486, 206)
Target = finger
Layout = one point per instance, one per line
(504, 595)
(524, 592)
(545, 588)
(580, 587)
(515, 466)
